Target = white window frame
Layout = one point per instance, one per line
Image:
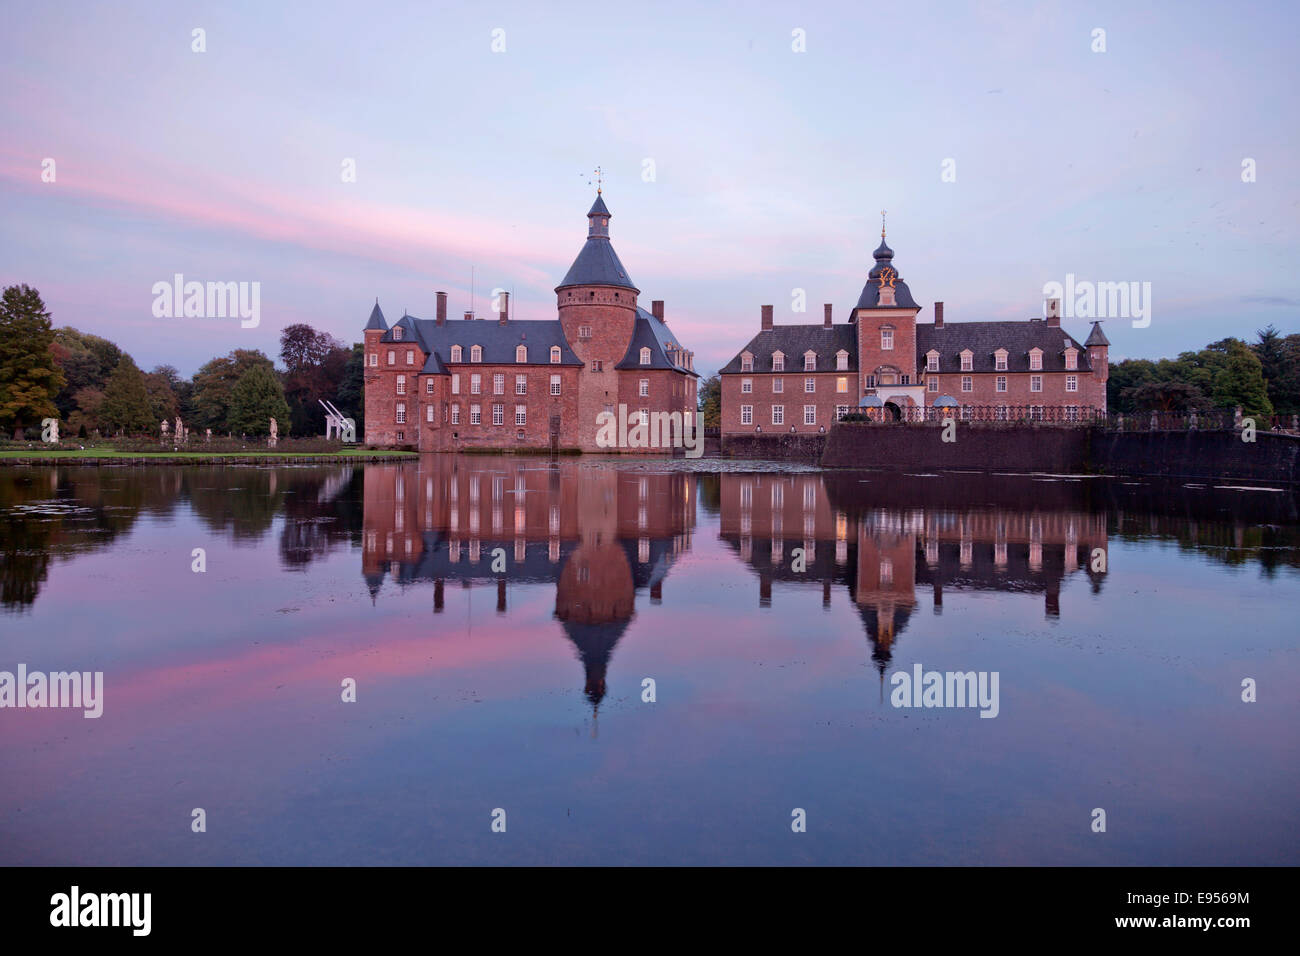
(886, 340)
(746, 362)
(932, 361)
(778, 414)
(555, 385)
(1071, 383)
(746, 386)
(498, 383)
(746, 414)
(476, 384)
(968, 383)
(498, 413)
(933, 384)
(810, 385)
(643, 388)
(778, 386)
(810, 414)
(967, 361)
(457, 353)
(1035, 360)
(374, 359)
(428, 386)
(455, 414)
(428, 413)
(778, 361)
(521, 415)
(410, 356)
(555, 355)
(521, 384)
(1035, 383)
(842, 385)
(476, 353)
(521, 354)
(810, 361)
(401, 385)
(455, 383)
(401, 413)
(645, 355)
(1000, 383)
(476, 414)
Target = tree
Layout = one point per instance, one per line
(29, 377)
(351, 395)
(315, 364)
(126, 401)
(214, 382)
(1279, 356)
(1241, 382)
(1166, 397)
(257, 398)
(85, 415)
(86, 360)
(710, 401)
(162, 400)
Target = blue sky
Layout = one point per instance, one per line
(771, 166)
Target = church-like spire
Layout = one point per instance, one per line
(598, 218)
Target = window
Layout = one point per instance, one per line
(476, 353)
(778, 385)
(498, 384)
(1035, 360)
(401, 413)
(778, 414)
(392, 357)
(555, 385)
(905, 379)
(746, 362)
(810, 414)
(401, 436)
(521, 414)
(401, 385)
(746, 386)
(521, 353)
(967, 384)
(1035, 383)
(1001, 383)
(455, 414)
(410, 356)
(965, 413)
(841, 411)
(644, 389)
(455, 383)
(967, 360)
(643, 416)
(397, 333)
(374, 359)
(869, 381)
(1071, 383)
(778, 362)
(475, 414)
(457, 354)
(887, 340)
(1071, 359)
(810, 385)
(842, 384)
(932, 361)
(1000, 360)
(933, 384)
(584, 332)
(428, 386)
(810, 361)
(476, 384)
(521, 384)
(428, 413)
(746, 414)
(645, 356)
(841, 360)
(555, 355)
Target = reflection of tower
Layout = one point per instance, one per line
(885, 580)
(594, 600)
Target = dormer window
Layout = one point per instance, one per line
(841, 360)
(521, 353)
(932, 361)
(1035, 360)
(746, 362)
(778, 361)
(810, 361)
(476, 353)
(457, 355)
(645, 356)
(1000, 360)
(397, 333)
(555, 355)
(1071, 359)
(967, 360)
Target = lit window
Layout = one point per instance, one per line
(555, 355)
(842, 384)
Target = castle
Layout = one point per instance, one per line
(508, 383)
(884, 365)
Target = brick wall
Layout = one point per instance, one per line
(825, 399)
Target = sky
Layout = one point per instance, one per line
(1007, 150)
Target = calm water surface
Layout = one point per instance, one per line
(499, 617)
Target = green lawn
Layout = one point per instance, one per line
(114, 453)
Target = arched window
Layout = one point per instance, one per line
(521, 353)
(476, 353)
(645, 356)
(810, 361)
(778, 361)
(555, 355)
(457, 354)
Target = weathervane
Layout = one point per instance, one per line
(599, 174)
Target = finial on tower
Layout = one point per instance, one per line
(599, 179)
(882, 224)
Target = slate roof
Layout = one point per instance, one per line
(794, 341)
(597, 264)
(870, 296)
(376, 319)
(983, 338)
(655, 334)
(498, 341)
(1097, 336)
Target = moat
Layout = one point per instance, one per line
(507, 621)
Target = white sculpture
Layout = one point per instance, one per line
(275, 434)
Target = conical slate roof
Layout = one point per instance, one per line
(597, 262)
(1097, 336)
(376, 319)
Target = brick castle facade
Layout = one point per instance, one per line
(883, 364)
(507, 383)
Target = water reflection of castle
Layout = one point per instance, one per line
(599, 535)
(885, 536)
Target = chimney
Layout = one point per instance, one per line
(827, 310)
(1053, 313)
(657, 309)
(442, 308)
(469, 316)
(505, 308)
(767, 319)
(938, 315)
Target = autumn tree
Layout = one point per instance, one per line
(125, 408)
(29, 377)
